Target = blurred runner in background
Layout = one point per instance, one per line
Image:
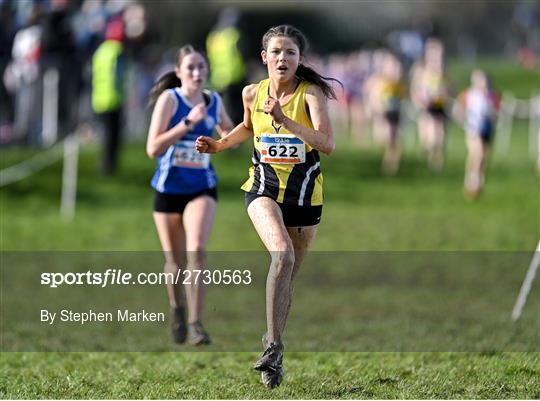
(388, 91)
(476, 108)
(185, 182)
(429, 93)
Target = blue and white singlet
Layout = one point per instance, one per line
(181, 170)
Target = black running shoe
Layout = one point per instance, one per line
(178, 324)
(272, 379)
(197, 335)
(272, 358)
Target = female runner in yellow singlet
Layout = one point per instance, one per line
(429, 93)
(287, 117)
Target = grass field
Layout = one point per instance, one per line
(378, 213)
(417, 213)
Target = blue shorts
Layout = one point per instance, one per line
(486, 131)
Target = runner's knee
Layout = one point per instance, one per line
(171, 266)
(283, 262)
(196, 255)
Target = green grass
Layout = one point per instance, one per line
(506, 75)
(309, 375)
(406, 301)
(115, 213)
(416, 212)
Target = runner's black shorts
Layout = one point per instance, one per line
(171, 203)
(392, 116)
(293, 215)
(437, 110)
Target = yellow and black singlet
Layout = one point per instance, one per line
(285, 168)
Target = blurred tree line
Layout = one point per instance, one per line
(467, 27)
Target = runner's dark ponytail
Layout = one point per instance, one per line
(169, 79)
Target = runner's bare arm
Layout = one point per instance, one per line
(159, 138)
(321, 136)
(239, 134)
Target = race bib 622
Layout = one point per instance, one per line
(282, 149)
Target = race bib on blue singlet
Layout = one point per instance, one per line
(185, 155)
(282, 149)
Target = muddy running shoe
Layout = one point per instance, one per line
(178, 324)
(197, 335)
(272, 379)
(272, 358)
(271, 363)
